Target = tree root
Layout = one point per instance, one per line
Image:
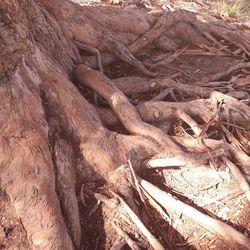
(239, 178)
(128, 115)
(135, 85)
(65, 178)
(201, 160)
(160, 27)
(122, 52)
(168, 202)
(121, 106)
(132, 244)
(27, 174)
(186, 111)
(37, 171)
(220, 75)
(202, 145)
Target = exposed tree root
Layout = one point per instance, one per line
(159, 28)
(220, 75)
(27, 174)
(202, 108)
(66, 189)
(239, 177)
(122, 107)
(167, 201)
(52, 139)
(202, 160)
(128, 240)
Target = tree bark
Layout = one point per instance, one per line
(48, 127)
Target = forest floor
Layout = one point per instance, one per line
(213, 191)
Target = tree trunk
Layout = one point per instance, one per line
(52, 139)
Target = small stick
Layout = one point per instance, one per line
(233, 139)
(239, 177)
(213, 225)
(162, 95)
(132, 244)
(136, 183)
(167, 60)
(152, 240)
(213, 118)
(219, 75)
(99, 66)
(118, 244)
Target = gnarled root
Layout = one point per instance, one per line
(27, 174)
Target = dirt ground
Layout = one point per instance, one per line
(212, 191)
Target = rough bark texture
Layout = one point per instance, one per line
(52, 139)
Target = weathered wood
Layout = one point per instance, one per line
(122, 107)
(27, 174)
(37, 56)
(66, 184)
(170, 203)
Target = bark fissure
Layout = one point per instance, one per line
(53, 142)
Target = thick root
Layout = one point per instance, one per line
(46, 30)
(27, 174)
(65, 181)
(168, 202)
(122, 107)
